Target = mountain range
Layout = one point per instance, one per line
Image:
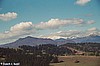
(32, 41)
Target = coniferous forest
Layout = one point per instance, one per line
(43, 55)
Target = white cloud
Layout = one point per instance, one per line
(8, 16)
(21, 26)
(18, 30)
(82, 2)
(63, 34)
(91, 22)
(73, 33)
(56, 23)
(92, 29)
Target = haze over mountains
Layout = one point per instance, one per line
(36, 41)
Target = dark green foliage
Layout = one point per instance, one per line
(42, 55)
(24, 57)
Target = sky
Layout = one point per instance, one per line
(48, 19)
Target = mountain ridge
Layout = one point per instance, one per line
(37, 41)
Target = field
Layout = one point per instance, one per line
(83, 61)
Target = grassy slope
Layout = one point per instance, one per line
(84, 61)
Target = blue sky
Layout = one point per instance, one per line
(48, 18)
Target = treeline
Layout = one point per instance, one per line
(25, 55)
(40, 55)
(91, 48)
(46, 49)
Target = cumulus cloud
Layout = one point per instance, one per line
(21, 26)
(56, 23)
(8, 16)
(18, 30)
(82, 2)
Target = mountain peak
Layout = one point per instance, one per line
(37, 41)
(29, 37)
